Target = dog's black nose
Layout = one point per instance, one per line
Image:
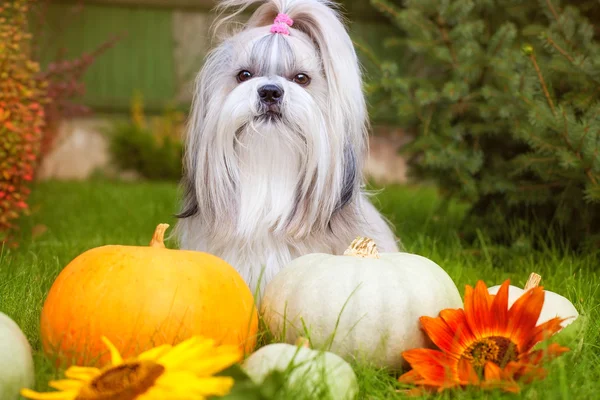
(270, 94)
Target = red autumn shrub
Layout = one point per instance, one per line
(22, 98)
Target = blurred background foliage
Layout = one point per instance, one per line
(502, 97)
(153, 148)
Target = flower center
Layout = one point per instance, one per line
(122, 382)
(497, 349)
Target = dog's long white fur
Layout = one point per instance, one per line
(258, 191)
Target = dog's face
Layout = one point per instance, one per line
(275, 79)
(278, 124)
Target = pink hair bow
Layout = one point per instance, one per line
(282, 24)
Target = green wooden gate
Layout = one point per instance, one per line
(142, 60)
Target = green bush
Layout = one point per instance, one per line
(503, 99)
(136, 149)
(155, 153)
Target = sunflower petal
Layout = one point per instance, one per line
(30, 394)
(115, 356)
(185, 351)
(84, 374)
(477, 310)
(436, 368)
(212, 365)
(155, 353)
(185, 382)
(523, 316)
(66, 384)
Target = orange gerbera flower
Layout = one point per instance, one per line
(486, 344)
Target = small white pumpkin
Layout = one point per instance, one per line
(16, 362)
(555, 305)
(308, 369)
(362, 305)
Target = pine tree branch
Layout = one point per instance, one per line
(566, 55)
(428, 121)
(543, 82)
(556, 18)
(559, 49)
(553, 11)
(565, 135)
(542, 186)
(446, 38)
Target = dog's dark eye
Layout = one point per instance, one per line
(302, 79)
(244, 76)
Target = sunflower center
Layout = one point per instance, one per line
(497, 349)
(122, 382)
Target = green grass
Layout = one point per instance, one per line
(80, 216)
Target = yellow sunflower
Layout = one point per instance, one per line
(182, 372)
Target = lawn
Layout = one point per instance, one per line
(69, 218)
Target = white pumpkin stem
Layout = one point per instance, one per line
(533, 281)
(362, 247)
(158, 240)
(303, 342)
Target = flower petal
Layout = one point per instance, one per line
(115, 356)
(523, 316)
(410, 377)
(193, 348)
(477, 310)
(84, 374)
(543, 355)
(440, 333)
(496, 378)
(185, 382)
(492, 372)
(466, 373)
(543, 332)
(499, 308)
(155, 353)
(212, 365)
(457, 322)
(66, 384)
(436, 368)
(525, 373)
(30, 394)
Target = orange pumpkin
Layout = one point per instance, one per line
(141, 297)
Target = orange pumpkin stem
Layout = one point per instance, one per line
(158, 240)
(533, 281)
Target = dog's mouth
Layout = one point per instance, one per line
(270, 113)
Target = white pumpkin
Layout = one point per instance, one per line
(362, 305)
(16, 362)
(555, 305)
(309, 370)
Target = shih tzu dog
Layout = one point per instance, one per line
(276, 141)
